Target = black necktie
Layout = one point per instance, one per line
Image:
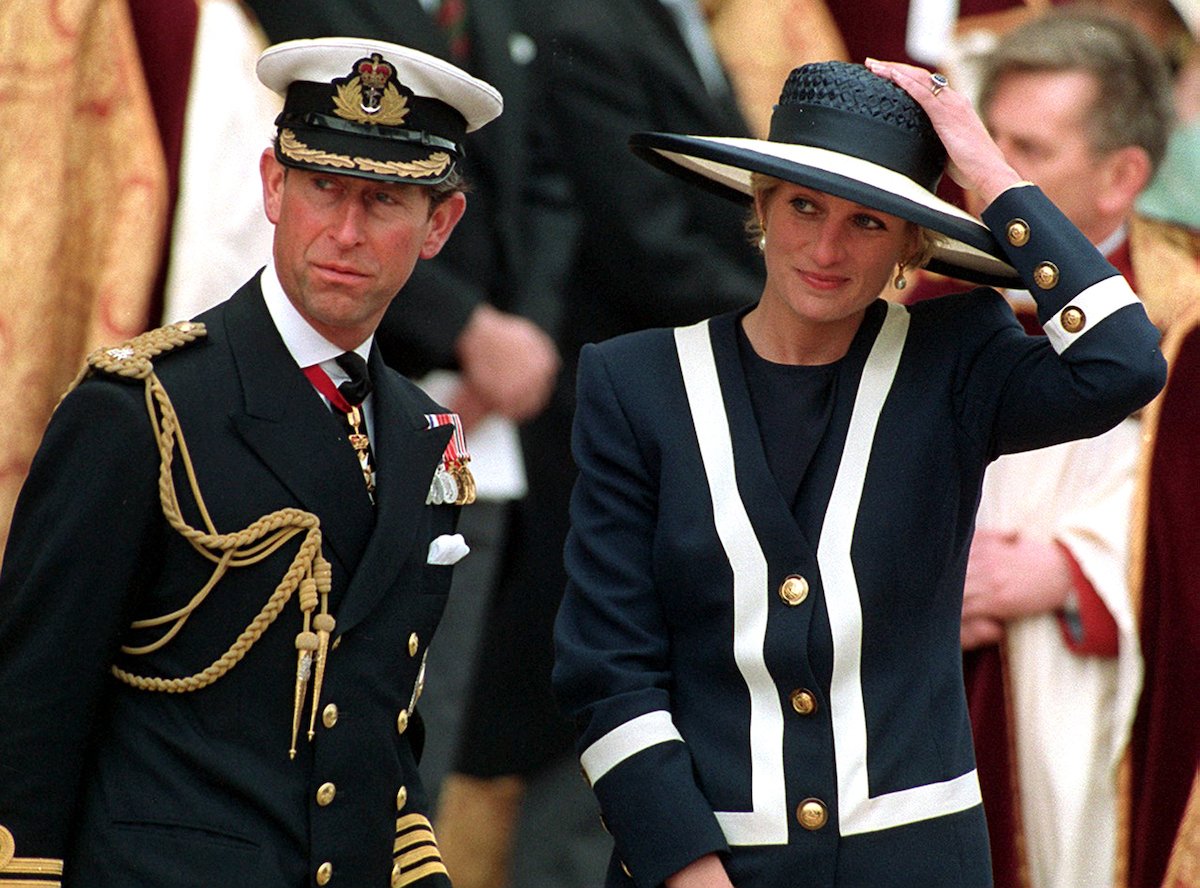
(358, 386)
(355, 391)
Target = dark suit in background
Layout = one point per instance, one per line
(648, 251)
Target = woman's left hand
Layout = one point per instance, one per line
(976, 162)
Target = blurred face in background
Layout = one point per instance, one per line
(1040, 121)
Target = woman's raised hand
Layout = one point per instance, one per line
(976, 162)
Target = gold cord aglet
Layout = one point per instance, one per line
(324, 624)
(306, 643)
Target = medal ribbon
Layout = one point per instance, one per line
(456, 447)
(453, 483)
(322, 383)
(354, 417)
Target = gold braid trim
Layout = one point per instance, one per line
(297, 150)
(18, 872)
(433, 165)
(309, 571)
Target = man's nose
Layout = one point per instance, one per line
(348, 226)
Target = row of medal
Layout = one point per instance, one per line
(453, 484)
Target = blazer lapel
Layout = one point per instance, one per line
(292, 431)
(407, 453)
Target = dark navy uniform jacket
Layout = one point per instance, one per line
(132, 787)
(797, 704)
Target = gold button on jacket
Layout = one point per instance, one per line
(1072, 319)
(325, 794)
(1017, 232)
(812, 814)
(803, 701)
(794, 590)
(414, 644)
(324, 873)
(329, 715)
(1045, 275)
(402, 721)
(401, 798)
(396, 874)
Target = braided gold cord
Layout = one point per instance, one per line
(308, 570)
(178, 617)
(309, 550)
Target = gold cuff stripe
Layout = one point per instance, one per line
(21, 867)
(34, 866)
(410, 820)
(415, 837)
(433, 165)
(419, 873)
(418, 855)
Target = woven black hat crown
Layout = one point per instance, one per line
(855, 89)
(846, 108)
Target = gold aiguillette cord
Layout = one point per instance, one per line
(312, 645)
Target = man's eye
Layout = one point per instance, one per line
(1032, 150)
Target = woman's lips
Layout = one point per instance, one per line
(822, 281)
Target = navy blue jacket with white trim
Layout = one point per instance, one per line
(678, 654)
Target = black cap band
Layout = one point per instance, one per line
(877, 141)
(328, 121)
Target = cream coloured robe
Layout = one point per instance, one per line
(1071, 714)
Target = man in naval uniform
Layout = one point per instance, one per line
(235, 541)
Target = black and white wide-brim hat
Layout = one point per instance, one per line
(845, 131)
(372, 109)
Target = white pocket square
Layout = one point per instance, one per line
(447, 549)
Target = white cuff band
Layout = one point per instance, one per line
(626, 740)
(1088, 309)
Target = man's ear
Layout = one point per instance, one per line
(272, 173)
(1126, 172)
(442, 220)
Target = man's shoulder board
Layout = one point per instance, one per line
(134, 358)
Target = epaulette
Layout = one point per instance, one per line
(134, 358)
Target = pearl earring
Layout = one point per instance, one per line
(900, 282)
(762, 242)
